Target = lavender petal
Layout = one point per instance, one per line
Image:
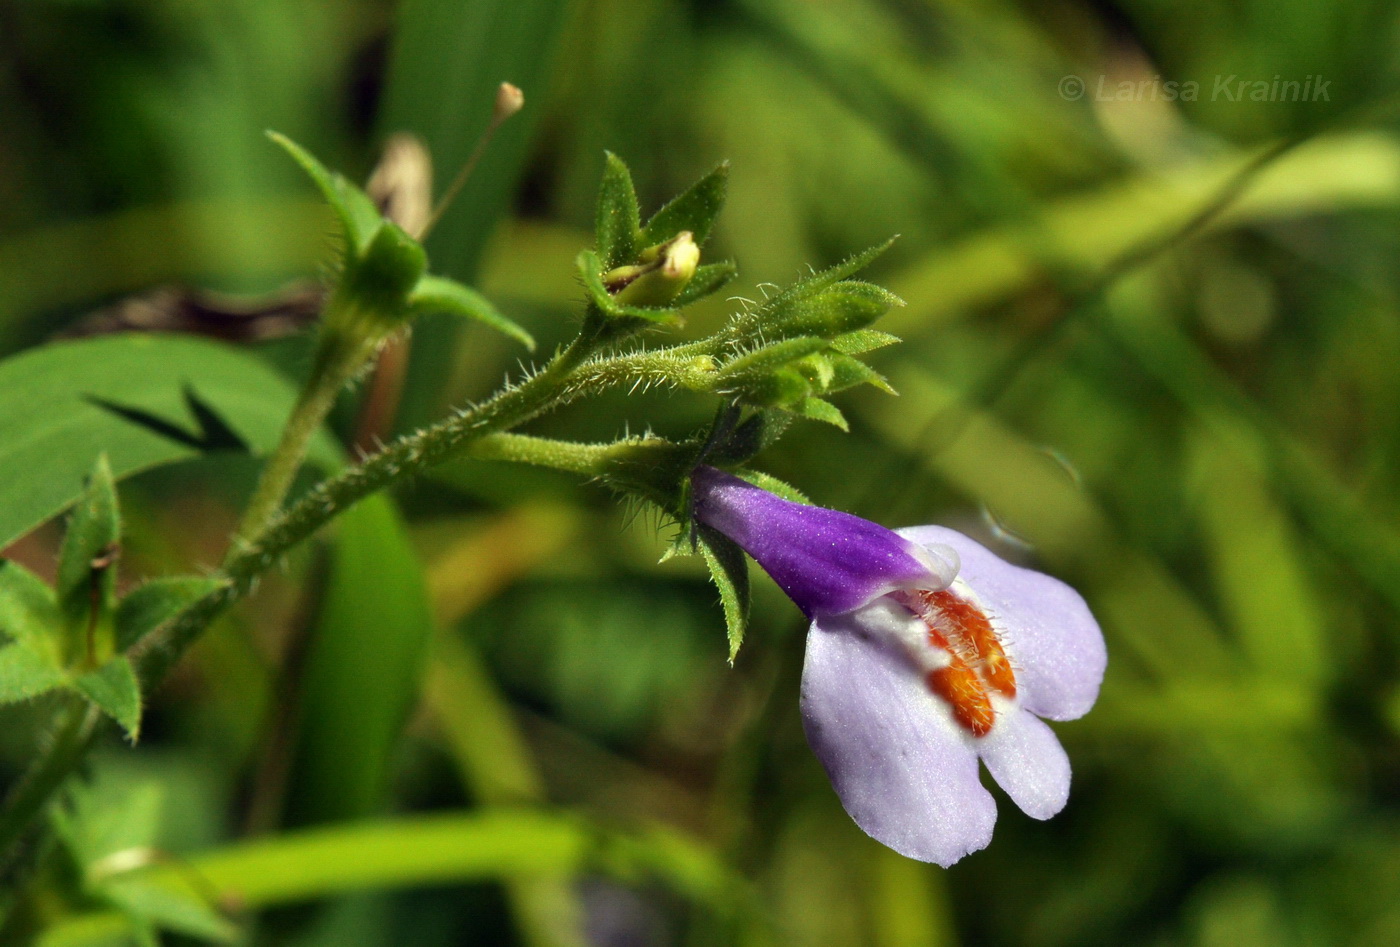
(1025, 758)
(903, 769)
(1055, 646)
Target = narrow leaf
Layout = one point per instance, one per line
(115, 690)
(157, 602)
(25, 674)
(28, 612)
(820, 410)
(618, 225)
(358, 215)
(439, 294)
(730, 572)
(694, 209)
(863, 340)
(827, 277)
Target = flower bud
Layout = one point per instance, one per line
(659, 275)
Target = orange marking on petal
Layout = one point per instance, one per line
(959, 685)
(975, 629)
(977, 664)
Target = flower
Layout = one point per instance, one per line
(926, 653)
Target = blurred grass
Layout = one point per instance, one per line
(1206, 446)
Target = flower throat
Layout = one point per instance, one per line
(977, 664)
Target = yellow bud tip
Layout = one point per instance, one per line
(509, 100)
(682, 257)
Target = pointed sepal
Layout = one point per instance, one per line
(694, 209)
(618, 226)
(358, 216)
(439, 294)
(116, 691)
(729, 569)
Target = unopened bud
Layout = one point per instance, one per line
(509, 100)
(663, 272)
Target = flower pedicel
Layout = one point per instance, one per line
(926, 653)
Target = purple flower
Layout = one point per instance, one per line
(917, 667)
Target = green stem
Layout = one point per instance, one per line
(248, 559)
(337, 360)
(402, 459)
(77, 722)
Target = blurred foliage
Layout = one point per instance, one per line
(1193, 417)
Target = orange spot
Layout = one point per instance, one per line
(972, 625)
(977, 662)
(959, 685)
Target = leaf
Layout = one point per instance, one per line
(863, 340)
(87, 566)
(770, 358)
(116, 692)
(694, 209)
(618, 226)
(51, 421)
(440, 294)
(25, 674)
(359, 218)
(28, 611)
(709, 278)
(174, 909)
(730, 571)
(363, 671)
(843, 308)
(821, 280)
(820, 410)
(158, 601)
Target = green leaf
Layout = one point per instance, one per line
(770, 358)
(363, 671)
(130, 396)
(730, 571)
(174, 909)
(157, 602)
(694, 209)
(591, 272)
(87, 564)
(709, 278)
(843, 308)
(116, 691)
(863, 340)
(25, 674)
(820, 410)
(618, 227)
(358, 215)
(28, 610)
(439, 294)
(819, 281)
(847, 372)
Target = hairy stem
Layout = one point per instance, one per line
(76, 723)
(338, 358)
